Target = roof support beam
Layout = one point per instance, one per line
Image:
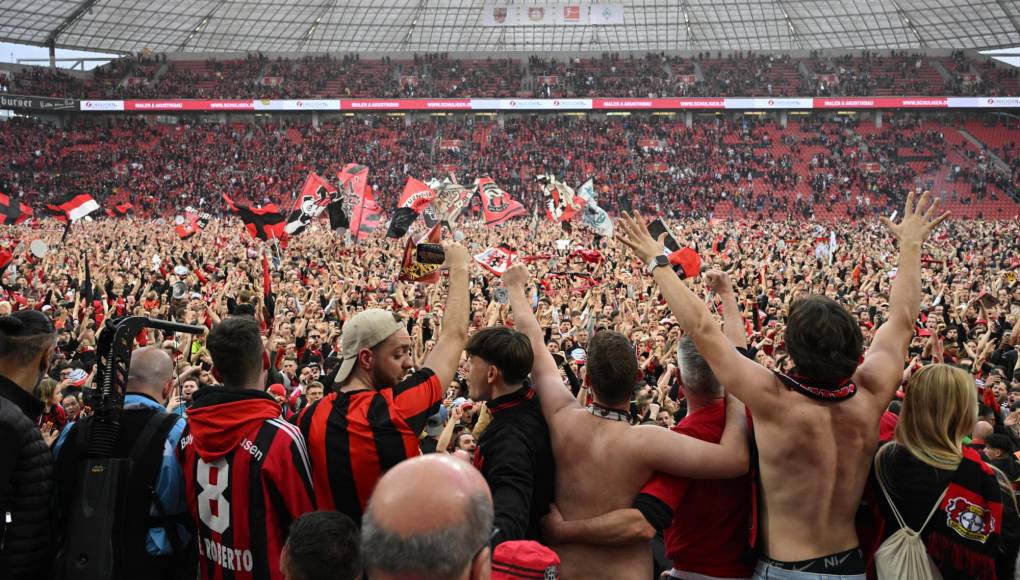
(325, 9)
(685, 9)
(909, 24)
(789, 24)
(414, 23)
(74, 16)
(201, 25)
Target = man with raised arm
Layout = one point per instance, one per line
(372, 420)
(601, 460)
(832, 398)
(679, 506)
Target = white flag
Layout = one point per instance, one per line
(594, 216)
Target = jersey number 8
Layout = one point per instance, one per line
(212, 493)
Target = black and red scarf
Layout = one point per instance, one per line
(824, 392)
(965, 534)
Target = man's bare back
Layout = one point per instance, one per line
(596, 472)
(814, 459)
(602, 463)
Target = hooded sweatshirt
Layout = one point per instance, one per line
(248, 478)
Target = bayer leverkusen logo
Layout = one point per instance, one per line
(969, 520)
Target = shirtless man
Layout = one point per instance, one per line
(811, 492)
(601, 460)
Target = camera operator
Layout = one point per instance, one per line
(154, 541)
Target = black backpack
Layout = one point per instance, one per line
(106, 504)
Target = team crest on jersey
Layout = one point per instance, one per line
(969, 520)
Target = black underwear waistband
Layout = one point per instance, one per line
(849, 562)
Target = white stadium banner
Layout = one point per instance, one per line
(552, 15)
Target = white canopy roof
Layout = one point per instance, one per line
(131, 26)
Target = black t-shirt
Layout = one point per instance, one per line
(515, 457)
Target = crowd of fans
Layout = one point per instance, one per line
(828, 167)
(963, 315)
(445, 76)
(840, 352)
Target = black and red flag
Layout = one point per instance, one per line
(497, 205)
(73, 207)
(120, 209)
(315, 194)
(416, 197)
(561, 202)
(353, 185)
(13, 211)
(265, 223)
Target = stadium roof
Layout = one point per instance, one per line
(132, 26)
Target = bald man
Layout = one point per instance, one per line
(150, 545)
(429, 519)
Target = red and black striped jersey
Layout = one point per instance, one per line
(355, 437)
(248, 477)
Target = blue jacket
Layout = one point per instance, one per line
(170, 487)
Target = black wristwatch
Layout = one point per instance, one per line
(657, 261)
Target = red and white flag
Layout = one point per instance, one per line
(73, 207)
(498, 259)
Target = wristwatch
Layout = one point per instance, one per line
(660, 260)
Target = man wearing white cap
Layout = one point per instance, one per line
(373, 418)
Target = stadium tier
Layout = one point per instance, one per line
(829, 167)
(257, 77)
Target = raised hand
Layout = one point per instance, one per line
(516, 276)
(633, 233)
(456, 255)
(719, 282)
(918, 221)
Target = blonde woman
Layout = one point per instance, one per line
(930, 482)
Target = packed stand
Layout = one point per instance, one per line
(441, 75)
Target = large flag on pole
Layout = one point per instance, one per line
(73, 207)
(561, 202)
(594, 216)
(497, 205)
(315, 194)
(416, 197)
(12, 211)
(265, 223)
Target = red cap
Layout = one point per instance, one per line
(513, 560)
(277, 390)
(687, 259)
